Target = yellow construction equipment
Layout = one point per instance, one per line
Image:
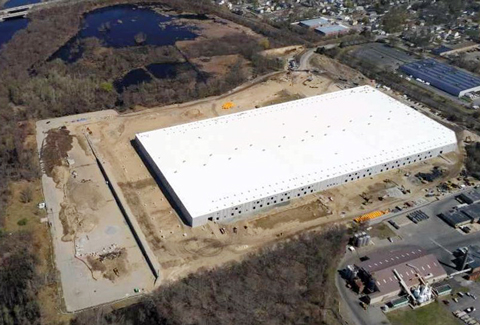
(227, 105)
(370, 216)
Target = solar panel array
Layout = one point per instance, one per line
(442, 76)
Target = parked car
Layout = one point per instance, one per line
(469, 310)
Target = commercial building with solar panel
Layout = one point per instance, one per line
(238, 164)
(449, 79)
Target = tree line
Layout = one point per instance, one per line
(288, 283)
(472, 162)
(19, 280)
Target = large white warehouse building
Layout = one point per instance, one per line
(237, 164)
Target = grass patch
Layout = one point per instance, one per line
(22, 214)
(302, 213)
(282, 97)
(381, 231)
(433, 314)
(462, 289)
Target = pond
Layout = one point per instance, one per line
(18, 3)
(134, 77)
(123, 26)
(9, 27)
(166, 70)
(144, 75)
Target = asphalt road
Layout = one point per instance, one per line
(304, 63)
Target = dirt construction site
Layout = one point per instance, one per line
(94, 178)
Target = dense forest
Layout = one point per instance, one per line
(288, 283)
(473, 159)
(19, 280)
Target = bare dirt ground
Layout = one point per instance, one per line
(218, 65)
(213, 28)
(180, 249)
(95, 251)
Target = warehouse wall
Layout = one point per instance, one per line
(249, 208)
(162, 182)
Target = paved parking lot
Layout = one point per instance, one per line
(433, 234)
(459, 284)
(383, 56)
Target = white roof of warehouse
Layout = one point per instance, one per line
(221, 162)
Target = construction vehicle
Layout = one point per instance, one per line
(228, 105)
(370, 216)
(367, 198)
(364, 305)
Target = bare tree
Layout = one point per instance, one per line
(26, 195)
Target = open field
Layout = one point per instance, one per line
(431, 314)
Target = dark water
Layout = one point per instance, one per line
(157, 70)
(117, 27)
(10, 27)
(193, 16)
(18, 3)
(134, 77)
(166, 70)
